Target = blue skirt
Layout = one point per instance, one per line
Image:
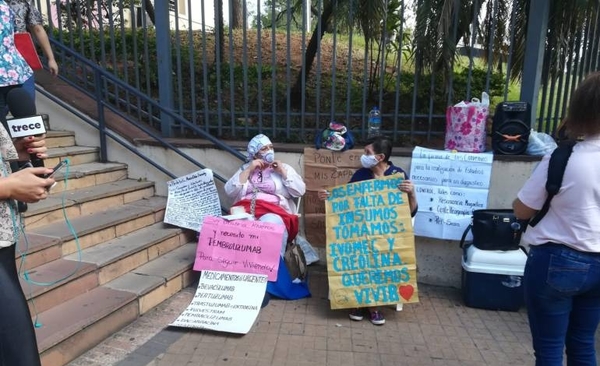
(284, 288)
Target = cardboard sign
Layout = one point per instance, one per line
(225, 302)
(324, 169)
(370, 245)
(239, 246)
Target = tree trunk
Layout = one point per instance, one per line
(150, 10)
(296, 91)
(219, 24)
(237, 14)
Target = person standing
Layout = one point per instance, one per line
(14, 70)
(562, 273)
(28, 19)
(18, 345)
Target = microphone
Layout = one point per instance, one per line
(25, 121)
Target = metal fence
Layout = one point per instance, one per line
(288, 67)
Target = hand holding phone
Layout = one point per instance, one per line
(58, 167)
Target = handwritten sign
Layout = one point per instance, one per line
(190, 198)
(225, 302)
(323, 169)
(449, 187)
(370, 245)
(239, 246)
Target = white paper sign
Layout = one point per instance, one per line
(191, 198)
(225, 302)
(449, 186)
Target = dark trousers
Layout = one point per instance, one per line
(18, 346)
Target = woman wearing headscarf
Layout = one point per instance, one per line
(267, 188)
(271, 184)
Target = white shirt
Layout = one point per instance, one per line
(285, 190)
(574, 215)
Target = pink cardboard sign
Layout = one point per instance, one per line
(239, 246)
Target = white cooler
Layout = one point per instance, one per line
(493, 279)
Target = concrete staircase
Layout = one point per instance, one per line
(123, 262)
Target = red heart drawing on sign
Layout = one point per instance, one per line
(406, 292)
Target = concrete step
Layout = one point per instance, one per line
(85, 201)
(88, 175)
(52, 283)
(50, 242)
(127, 252)
(76, 155)
(60, 139)
(69, 329)
(73, 327)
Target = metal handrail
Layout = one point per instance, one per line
(100, 75)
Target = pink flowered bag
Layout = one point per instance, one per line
(465, 125)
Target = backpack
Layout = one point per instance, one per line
(556, 171)
(336, 137)
(510, 128)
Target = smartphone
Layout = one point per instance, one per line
(58, 167)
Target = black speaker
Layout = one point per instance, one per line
(511, 127)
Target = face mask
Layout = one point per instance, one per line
(268, 156)
(368, 161)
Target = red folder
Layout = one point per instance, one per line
(26, 48)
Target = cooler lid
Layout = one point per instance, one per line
(510, 262)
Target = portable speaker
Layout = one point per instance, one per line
(511, 127)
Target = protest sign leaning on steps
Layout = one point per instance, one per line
(267, 189)
(376, 164)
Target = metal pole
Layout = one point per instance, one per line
(165, 68)
(534, 53)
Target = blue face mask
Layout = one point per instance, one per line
(268, 156)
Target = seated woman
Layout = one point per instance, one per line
(267, 188)
(376, 164)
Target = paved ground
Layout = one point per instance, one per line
(437, 331)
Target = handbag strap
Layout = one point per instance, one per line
(464, 235)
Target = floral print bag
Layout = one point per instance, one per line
(465, 125)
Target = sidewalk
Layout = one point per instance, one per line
(437, 331)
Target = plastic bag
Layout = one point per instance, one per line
(465, 125)
(309, 252)
(540, 143)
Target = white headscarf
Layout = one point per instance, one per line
(257, 143)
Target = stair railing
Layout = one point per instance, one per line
(100, 77)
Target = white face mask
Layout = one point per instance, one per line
(268, 156)
(368, 161)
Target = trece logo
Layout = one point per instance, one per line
(29, 126)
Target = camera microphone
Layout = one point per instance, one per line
(25, 121)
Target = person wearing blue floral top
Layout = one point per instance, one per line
(26, 18)
(14, 70)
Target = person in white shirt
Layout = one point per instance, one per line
(267, 188)
(562, 274)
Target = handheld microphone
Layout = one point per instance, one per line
(25, 122)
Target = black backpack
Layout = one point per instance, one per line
(556, 171)
(510, 128)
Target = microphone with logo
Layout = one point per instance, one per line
(25, 123)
